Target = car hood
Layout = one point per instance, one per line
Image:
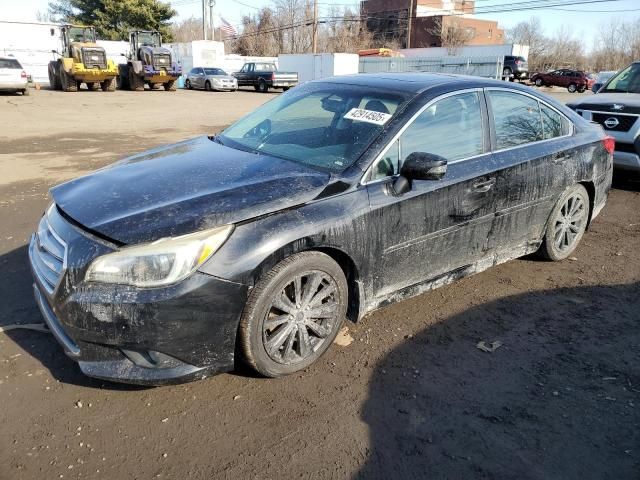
(221, 77)
(604, 102)
(183, 188)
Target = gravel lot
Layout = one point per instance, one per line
(410, 397)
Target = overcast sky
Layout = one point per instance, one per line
(583, 20)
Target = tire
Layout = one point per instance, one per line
(93, 86)
(295, 340)
(572, 88)
(284, 89)
(108, 85)
(187, 84)
(539, 82)
(135, 82)
(263, 87)
(207, 86)
(68, 84)
(506, 72)
(558, 243)
(122, 79)
(25, 92)
(582, 89)
(54, 78)
(170, 86)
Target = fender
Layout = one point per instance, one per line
(137, 66)
(66, 64)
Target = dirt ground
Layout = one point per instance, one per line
(410, 397)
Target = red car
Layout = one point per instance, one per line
(572, 80)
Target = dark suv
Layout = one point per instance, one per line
(516, 66)
(572, 80)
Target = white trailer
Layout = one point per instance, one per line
(311, 66)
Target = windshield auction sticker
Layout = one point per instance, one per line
(369, 116)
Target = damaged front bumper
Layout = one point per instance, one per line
(125, 334)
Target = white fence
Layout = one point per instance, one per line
(489, 67)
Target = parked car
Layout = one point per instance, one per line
(264, 75)
(516, 66)
(572, 80)
(617, 107)
(12, 76)
(210, 79)
(601, 79)
(335, 198)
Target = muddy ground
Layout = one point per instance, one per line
(411, 397)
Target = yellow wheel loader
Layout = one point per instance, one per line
(81, 60)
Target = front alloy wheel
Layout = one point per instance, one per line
(567, 224)
(293, 314)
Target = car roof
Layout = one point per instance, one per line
(414, 82)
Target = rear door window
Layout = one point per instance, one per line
(516, 119)
(553, 123)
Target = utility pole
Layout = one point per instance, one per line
(409, 17)
(212, 4)
(315, 26)
(204, 20)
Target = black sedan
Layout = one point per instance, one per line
(336, 198)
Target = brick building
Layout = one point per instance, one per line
(417, 23)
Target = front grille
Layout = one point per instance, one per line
(94, 58)
(161, 60)
(48, 253)
(625, 122)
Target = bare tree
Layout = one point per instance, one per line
(452, 33)
(187, 30)
(44, 17)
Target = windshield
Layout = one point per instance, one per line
(214, 71)
(322, 125)
(148, 39)
(81, 34)
(627, 81)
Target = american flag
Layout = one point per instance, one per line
(227, 28)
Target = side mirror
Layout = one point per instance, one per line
(419, 166)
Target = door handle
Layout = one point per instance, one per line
(484, 186)
(560, 157)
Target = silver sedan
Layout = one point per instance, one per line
(210, 79)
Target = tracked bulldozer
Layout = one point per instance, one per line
(148, 63)
(81, 60)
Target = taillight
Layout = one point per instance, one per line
(23, 74)
(518, 62)
(609, 144)
(273, 76)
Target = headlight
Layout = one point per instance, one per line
(163, 262)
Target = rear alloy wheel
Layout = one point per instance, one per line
(293, 314)
(539, 82)
(567, 224)
(263, 87)
(572, 88)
